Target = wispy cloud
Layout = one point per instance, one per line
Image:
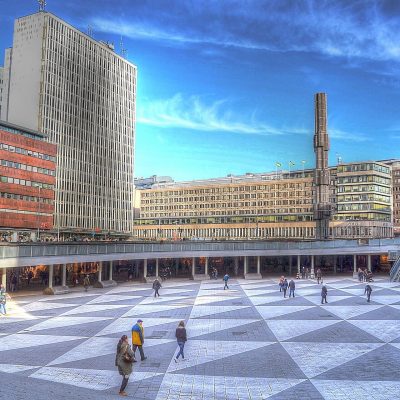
(341, 135)
(194, 114)
(362, 30)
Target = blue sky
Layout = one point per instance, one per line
(226, 86)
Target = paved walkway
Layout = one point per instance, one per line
(244, 343)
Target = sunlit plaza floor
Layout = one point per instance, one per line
(247, 342)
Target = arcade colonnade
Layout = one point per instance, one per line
(199, 268)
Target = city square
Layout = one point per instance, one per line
(247, 342)
(218, 154)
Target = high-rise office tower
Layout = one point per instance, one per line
(322, 205)
(81, 94)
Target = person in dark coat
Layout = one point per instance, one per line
(368, 291)
(303, 272)
(284, 287)
(123, 360)
(319, 275)
(292, 287)
(181, 338)
(156, 287)
(226, 279)
(324, 293)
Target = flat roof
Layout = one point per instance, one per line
(13, 128)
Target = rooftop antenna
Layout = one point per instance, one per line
(338, 158)
(90, 30)
(42, 5)
(122, 48)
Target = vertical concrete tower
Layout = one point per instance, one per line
(322, 206)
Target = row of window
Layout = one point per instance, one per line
(25, 198)
(363, 167)
(23, 182)
(25, 152)
(24, 167)
(363, 178)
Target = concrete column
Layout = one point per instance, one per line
(157, 266)
(193, 266)
(206, 266)
(312, 268)
(355, 265)
(4, 277)
(145, 268)
(236, 266)
(51, 273)
(100, 270)
(369, 262)
(245, 265)
(64, 275)
(298, 264)
(111, 271)
(334, 264)
(258, 265)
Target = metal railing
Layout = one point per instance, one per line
(395, 271)
(13, 250)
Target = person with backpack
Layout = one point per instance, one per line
(226, 279)
(368, 291)
(156, 288)
(123, 360)
(181, 338)
(138, 338)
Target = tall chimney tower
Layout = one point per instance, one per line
(322, 206)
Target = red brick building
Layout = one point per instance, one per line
(27, 179)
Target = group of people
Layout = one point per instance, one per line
(126, 355)
(284, 285)
(364, 275)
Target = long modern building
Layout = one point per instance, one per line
(352, 200)
(81, 94)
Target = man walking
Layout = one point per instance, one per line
(156, 288)
(319, 275)
(138, 338)
(368, 290)
(324, 293)
(292, 287)
(3, 300)
(226, 279)
(303, 272)
(284, 287)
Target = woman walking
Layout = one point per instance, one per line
(123, 361)
(181, 337)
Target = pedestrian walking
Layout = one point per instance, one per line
(360, 274)
(86, 282)
(307, 273)
(14, 281)
(30, 276)
(324, 294)
(123, 360)
(156, 288)
(303, 272)
(368, 291)
(226, 279)
(281, 280)
(292, 288)
(319, 275)
(284, 287)
(181, 337)
(3, 302)
(138, 338)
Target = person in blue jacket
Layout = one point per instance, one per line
(226, 279)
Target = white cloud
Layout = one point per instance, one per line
(192, 113)
(338, 134)
(333, 29)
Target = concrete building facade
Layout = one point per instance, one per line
(81, 94)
